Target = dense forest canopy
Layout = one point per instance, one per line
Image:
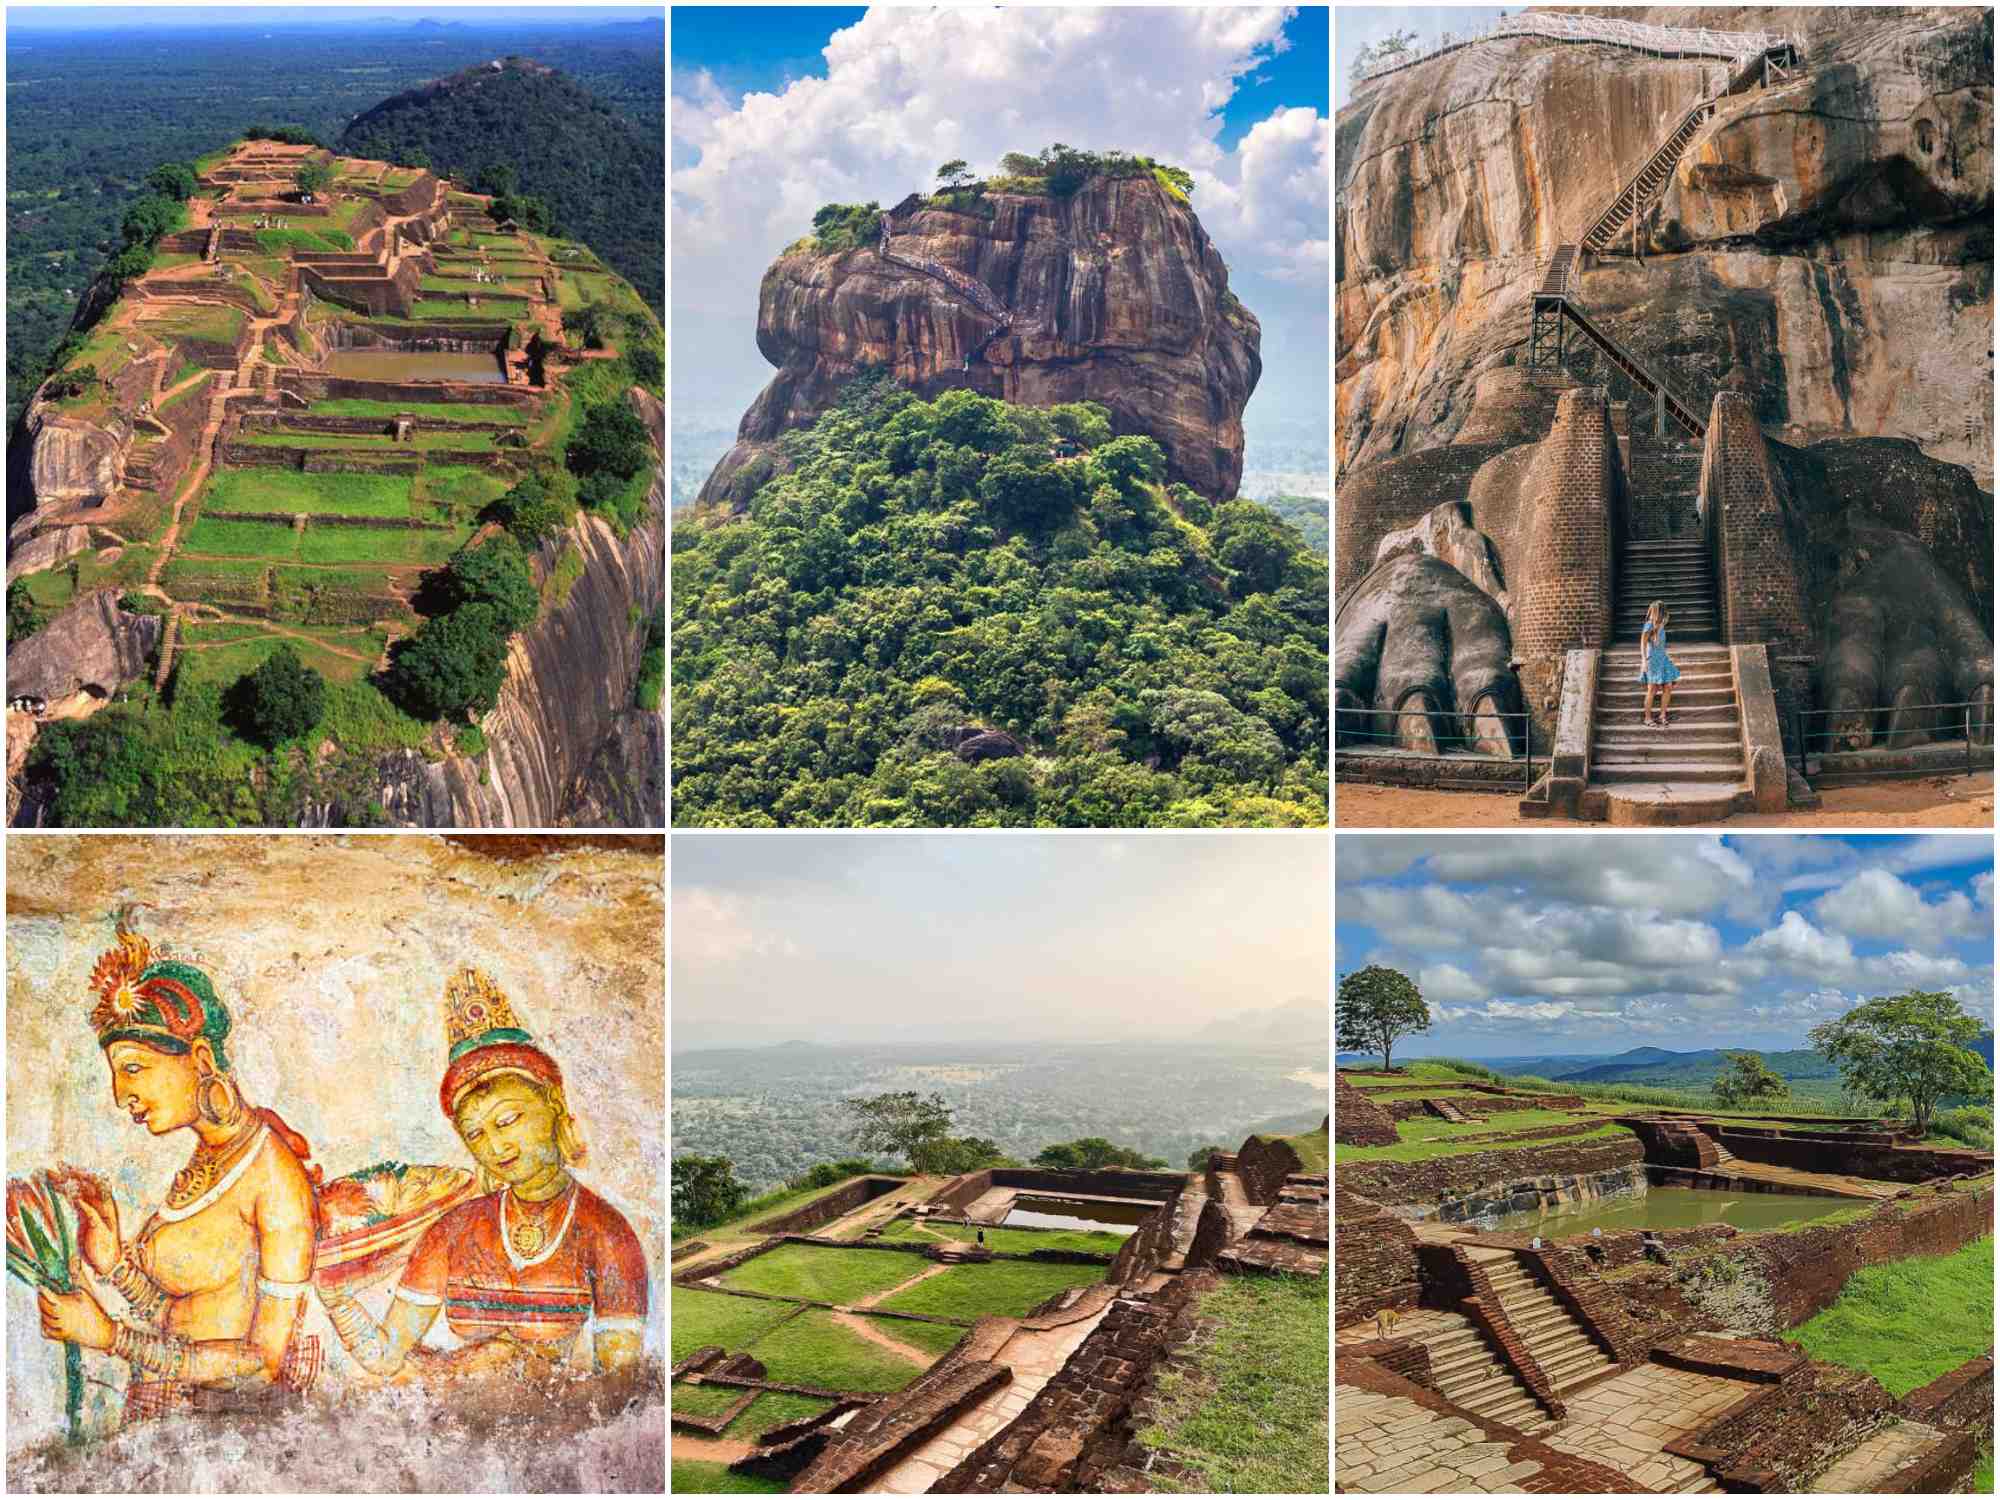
(90, 114)
(929, 571)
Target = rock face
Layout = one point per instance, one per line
(1113, 294)
(1829, 236)
(1820, 257)
(71, 461)
(92, 647)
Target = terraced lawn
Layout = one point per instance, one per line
(999, 1288)
(812, 1349)
(699, 1477)
(389, 545)
(936, 1337)
(226, 538)
(1909, 1321)
(700, 1318)
(824, 1275)
(1423, 1150)
(427, 411)
(256, 489)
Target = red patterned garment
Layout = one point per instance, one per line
(594, 1272)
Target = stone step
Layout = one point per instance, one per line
(1461, 1364)
(1574, 1369)
(1471, 1392)
(1667, 770)
(1663, 745)
(1691, 664)
(1525, 1415)
(1559, 1355)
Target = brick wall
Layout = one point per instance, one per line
(1856, 1159)
(1577, 488)
(1675, 1143)
(1960, 1398)
(1359, 1120)
(1490, 1174)
(842, 1200)
(1779, 1439)
(1745, 518)
(962, 1192)
(1263, 1166)
(879, 1434)
(1375, 1260)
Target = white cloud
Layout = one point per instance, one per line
(715, 928)
(905, 89)
(1448, 982)
(1877, 904)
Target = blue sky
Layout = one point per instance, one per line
(1059, 936)
(1683, 941)
(776, 111)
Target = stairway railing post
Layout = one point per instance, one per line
(1660, 412)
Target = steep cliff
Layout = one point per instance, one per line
(1112, 294)
(1829, 236)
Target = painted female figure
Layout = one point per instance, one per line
(540, 1258)
(214, 1277)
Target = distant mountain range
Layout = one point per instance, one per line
(1658, 1067)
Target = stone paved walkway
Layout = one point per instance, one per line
(1387, 1444)
(1034, 1356)
(1628, 1420)
(1876, 1459)
(1415, 1323)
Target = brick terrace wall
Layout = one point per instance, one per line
(1576, 485)
(1359, 1120)
(881, 1433)
(1830, 1154)
(962, 1192)
(841, 1201)
(417, 196)
(1945, 1469)
(1744, 505)
(1072, 1432)
(1263, 1167)
(1961, 1398)
(1777, 1440)
(1674, 1143)
(1489, 1172)
(1375, 1260)
(1807, 1268)
(310, 385)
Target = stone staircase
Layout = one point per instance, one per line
(1679, 575)
(1444, 1109)
(1468, 1373)
(1568, 1355)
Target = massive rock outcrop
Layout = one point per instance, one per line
(1822, 250)
(1112, 294)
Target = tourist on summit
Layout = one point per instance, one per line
(1656, 668)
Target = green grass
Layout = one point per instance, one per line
(1424, 1150)
(1910, 1321)
(298, 493)
(1245, 1408)
(241, 538)
(1430, 1128)
(392, 547)
(1003, 1288)
(419, 442)
(216, 324)
(701, 1318)
(1013, 1241)
(461, 487)
(935, 1337)
(773, 1409)
(510, 309)
(1982, 1476)
(510, 416)
(812, 1349)
(702, 1478)
(824, 1275)
(1311, 1149)
(705, 1400)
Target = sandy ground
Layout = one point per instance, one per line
(1932, 802)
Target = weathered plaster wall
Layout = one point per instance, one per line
(331, 953)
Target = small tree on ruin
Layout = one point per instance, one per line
(1376, 1007)
(705, 1190)
(1745, 1080)
(1910, 1046)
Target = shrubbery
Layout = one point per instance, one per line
(279, 701)
(928, 566)
(848, 226)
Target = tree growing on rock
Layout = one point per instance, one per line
(1375, 1008)
(906, 1123)
(705, 1191)
(1744, 1080)
(1910, 1046)
(1092, 1153)
(954, 176)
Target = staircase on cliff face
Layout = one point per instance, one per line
(976, 292)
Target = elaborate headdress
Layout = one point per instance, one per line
(484, 1038)
(160, 1001)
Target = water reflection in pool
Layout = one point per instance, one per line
(1033, 1212)
(391, 364)
(1675, 1208)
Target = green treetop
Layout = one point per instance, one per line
(1376, 1007)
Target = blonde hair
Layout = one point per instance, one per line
(569, 1140)
(1656, 619)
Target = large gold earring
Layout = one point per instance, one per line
(223, 1114)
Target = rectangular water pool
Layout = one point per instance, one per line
(392, 364)
(1676, 1208)
(1031, 1211)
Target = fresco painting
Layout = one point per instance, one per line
(369, 1072)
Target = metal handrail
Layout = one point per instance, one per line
(1659, 40)
(1632, 187)
(1968, 705)
(1526, 738)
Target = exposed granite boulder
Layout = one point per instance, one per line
(92, 647)
(987, 744)
(71, 460)
(1115, 295)
(48, 549)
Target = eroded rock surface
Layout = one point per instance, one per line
(92, 647)
(1113, 295)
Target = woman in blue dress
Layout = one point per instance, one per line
(1656, 668)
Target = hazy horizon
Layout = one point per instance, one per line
(979, 939)
(68, 19)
